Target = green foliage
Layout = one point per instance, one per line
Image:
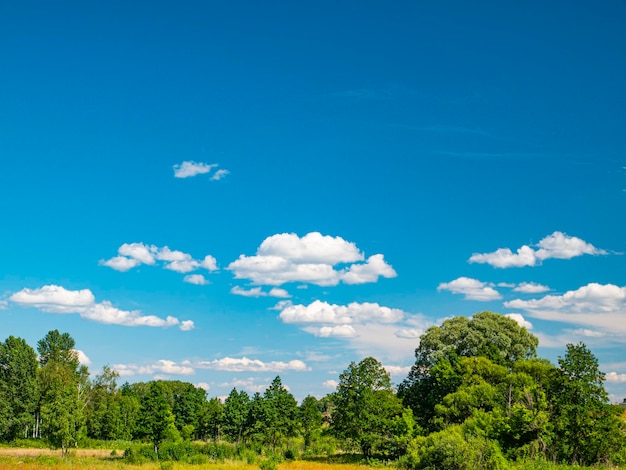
(434, 375)
(586, 429)
(367, 410)
(156, 421)
(19, 391)
(311, 419)
(236, 410)
(451, 449)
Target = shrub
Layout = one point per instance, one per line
(268, 464)
(452, 450)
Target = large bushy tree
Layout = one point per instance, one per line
(432, 377)
(367, 412)
(18, 388)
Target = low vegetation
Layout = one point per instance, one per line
(477, 397)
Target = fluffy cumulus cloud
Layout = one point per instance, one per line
(557, 245)
(245, 364)
(472, 289)
(312, 259)
(131, 255)
(83, 358)
(197, 279)
(599, 306)
(521, 321)
(161, 366)
(337, 331)
(332, 384)
(57, 299)
(614, 377)
(323, 312)
(368, 328)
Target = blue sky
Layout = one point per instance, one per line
(223, 192)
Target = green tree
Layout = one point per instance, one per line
(64, 384)
(311, 419)
(211, 419)
(367, 412)
(587, 431)
(496, 337)
(236, 409)
(103, 412)
(18, 388)
(156, 421)
(279, 415)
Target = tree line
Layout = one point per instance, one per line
(477, 396)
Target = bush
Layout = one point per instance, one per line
(268, 464)
(290, 454)
(451, 450)
(198, 459)
(139, 454)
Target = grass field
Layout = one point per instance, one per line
(101, 459)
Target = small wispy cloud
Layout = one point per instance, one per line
(188, 169)
(258, 292)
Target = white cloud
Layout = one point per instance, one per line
(187, 325)
(599, 306)
(219, 174)
(561, 246)
(330, 384)
(409, 333)
(57, 299)
(397, 370)
(530, 288)
(258, 292)
(254, 292)
(209, 263)
(369, 272)
(161, 366)
(614, 377)
(203, 385)
(521, 321)
(138, 251)
(82, 357)
(190, 168)
(54, 299)
(369, 328)
(557, 245)
(280, 293)
(286, 257)
(472, 289)
(131, 255)
(323, 312)
(248, 384)
(313, 248)
(197, 279)
(252, 365)
(337, 331)
(120, 263)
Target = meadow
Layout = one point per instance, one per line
(103, 459)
